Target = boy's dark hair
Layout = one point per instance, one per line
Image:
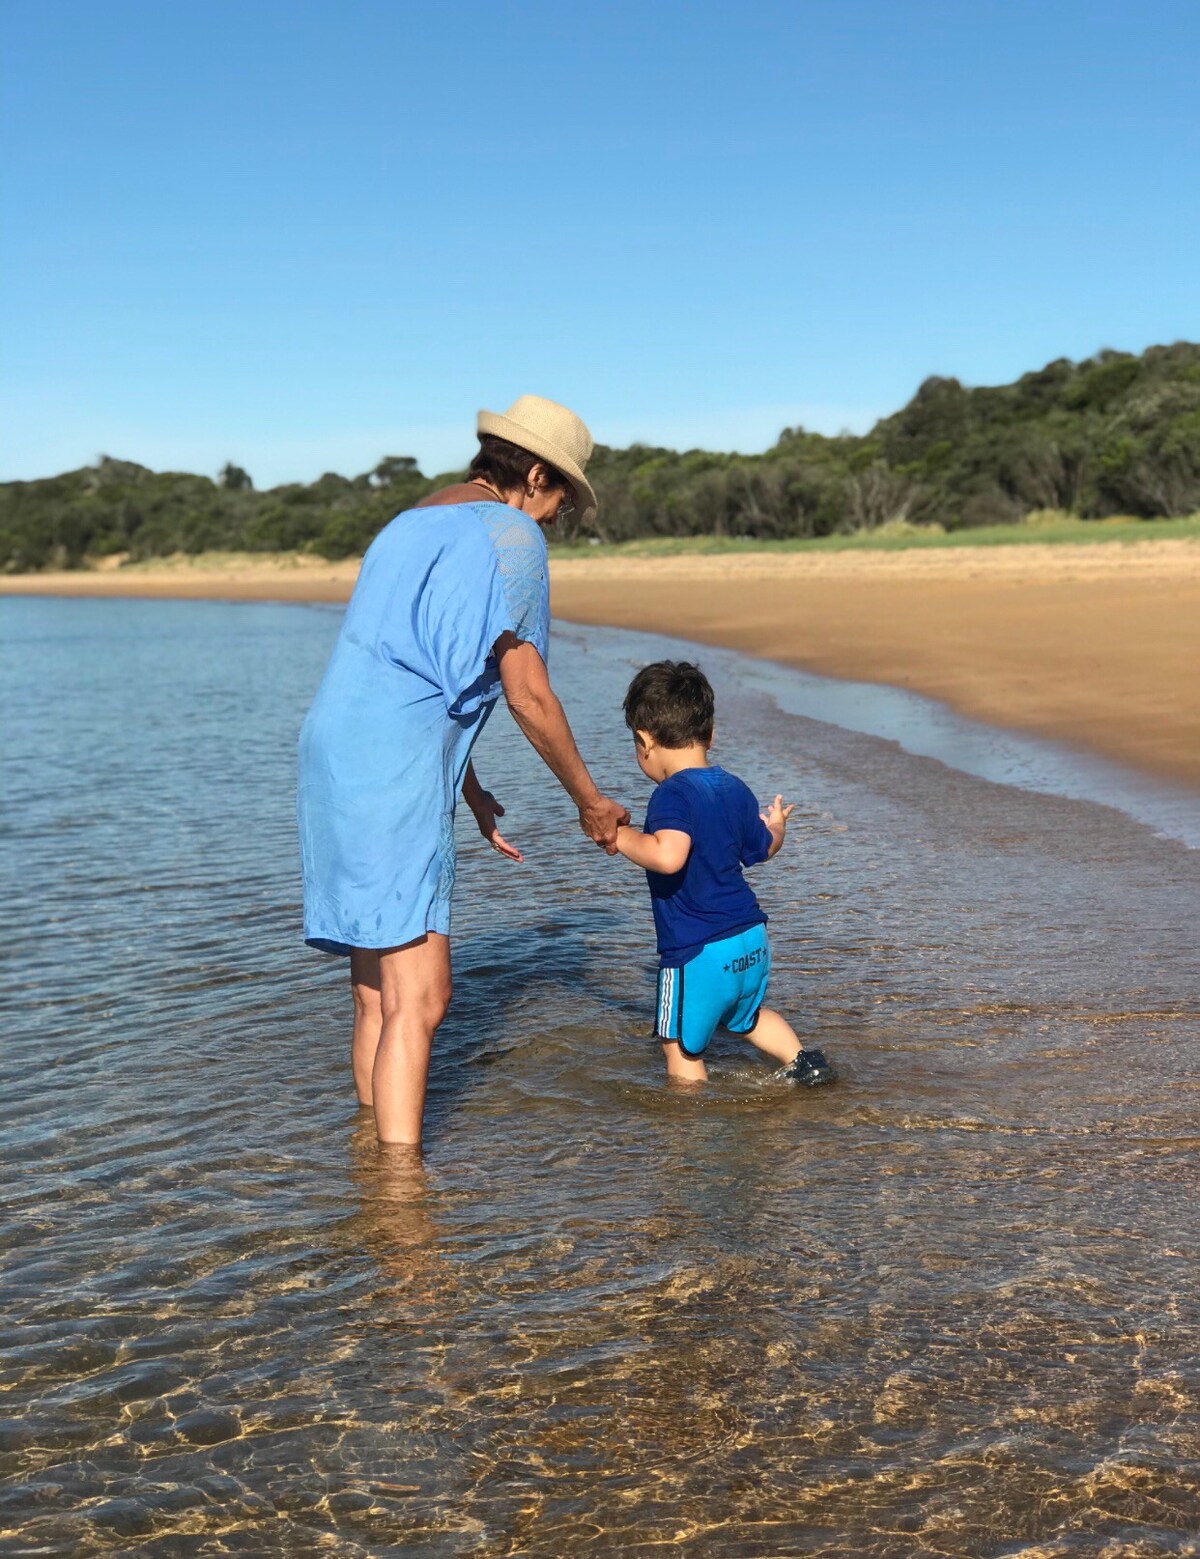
(507, 465)
(673, 700)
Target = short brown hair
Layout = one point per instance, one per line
(673, 700)
(507, 465)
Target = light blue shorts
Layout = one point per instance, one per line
(722, 987)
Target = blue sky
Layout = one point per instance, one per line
(302, 235)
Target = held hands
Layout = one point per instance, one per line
(487, 809)
(600, 821)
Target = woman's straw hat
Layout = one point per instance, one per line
(547, 429)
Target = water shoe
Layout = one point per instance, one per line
(810, 1068)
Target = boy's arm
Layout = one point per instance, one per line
(665, 851)
(775, 817)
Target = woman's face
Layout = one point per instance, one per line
(547, 502)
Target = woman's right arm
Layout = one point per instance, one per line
(537, 711)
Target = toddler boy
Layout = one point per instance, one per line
(702, 826)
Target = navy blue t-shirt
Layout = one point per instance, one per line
(709, 899)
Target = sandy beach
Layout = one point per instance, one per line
(1097, 645)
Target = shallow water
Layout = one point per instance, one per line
(947, 1307)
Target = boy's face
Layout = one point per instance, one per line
(649, 756)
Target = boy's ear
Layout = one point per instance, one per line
(644, 740)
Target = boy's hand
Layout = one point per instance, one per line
(487, 809)
(776, 816)
(600, 821)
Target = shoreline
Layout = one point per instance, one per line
(1097, 647)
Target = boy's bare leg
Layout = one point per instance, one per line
(368, 1018)
(683, 1068)
(774, 1036)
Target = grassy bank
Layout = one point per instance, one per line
(1042, 529)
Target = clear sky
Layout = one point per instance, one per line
(302, 234)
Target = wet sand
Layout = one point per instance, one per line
(1097, 645)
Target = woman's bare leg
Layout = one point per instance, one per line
(368, 1018)
(415, 990)
(774, 1036)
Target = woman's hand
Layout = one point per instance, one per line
(487, 809)
(600, 820)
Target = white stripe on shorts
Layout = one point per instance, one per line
(664, 1007)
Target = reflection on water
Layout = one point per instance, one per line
(947, 1307)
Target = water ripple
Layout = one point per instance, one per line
(948, 1307)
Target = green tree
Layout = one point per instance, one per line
(233, 479)
(1113, 434)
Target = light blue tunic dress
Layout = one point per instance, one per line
(409, 686)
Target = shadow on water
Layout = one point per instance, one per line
(948, 1306)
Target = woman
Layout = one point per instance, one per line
(451, 607)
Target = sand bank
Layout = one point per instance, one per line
(1098, 645)
(235, 576)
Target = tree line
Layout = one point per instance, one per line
(1115, 434)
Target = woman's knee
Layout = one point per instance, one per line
(426, 1003)
(415, 982)
(368, 1002)
(436, 1001)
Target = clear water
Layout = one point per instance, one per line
(947, 1307)
(930, 730)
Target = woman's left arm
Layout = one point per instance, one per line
(487, 809)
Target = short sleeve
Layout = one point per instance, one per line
(670, 807)
(524, 577)
(756, 836)
(466, 577)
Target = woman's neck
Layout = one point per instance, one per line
(492, 492)
(462, 492)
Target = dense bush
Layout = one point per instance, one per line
(1117, 434)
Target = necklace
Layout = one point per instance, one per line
(487, 487)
